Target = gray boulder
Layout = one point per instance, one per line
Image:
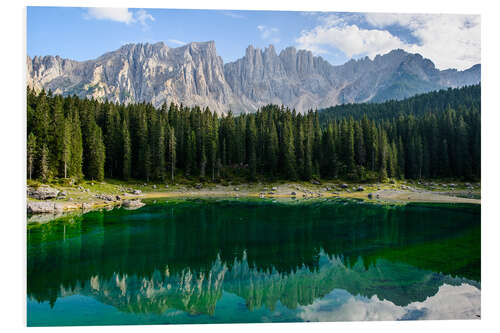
(133, 204)
(42, 192)
(39, 207)
(105, 197)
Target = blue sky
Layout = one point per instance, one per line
(86, 33)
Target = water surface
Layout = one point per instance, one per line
(255, 260)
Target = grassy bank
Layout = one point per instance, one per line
(89, 194)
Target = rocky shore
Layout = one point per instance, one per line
(45, 199)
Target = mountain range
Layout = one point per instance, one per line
(194, 74)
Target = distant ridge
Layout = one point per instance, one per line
(194, 74)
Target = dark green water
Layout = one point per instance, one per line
(221, 261)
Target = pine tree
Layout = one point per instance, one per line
(127, 151)
(75, 165)
(96, 152)
(299, 149)
(172, 153)
(159, 151)
(56, 140)
(401, 159)
(44, 162)
(251, 135)
(31, 153)
(382, 144)
(288, 152)
(66, 143)
(347, 146)
(308, 152)
(41, 119)
(271, 147)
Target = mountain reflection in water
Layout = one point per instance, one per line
(201, 261)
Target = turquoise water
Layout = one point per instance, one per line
(255, 260)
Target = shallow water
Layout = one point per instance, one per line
(255, 260)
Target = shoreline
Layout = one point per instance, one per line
(85, 200)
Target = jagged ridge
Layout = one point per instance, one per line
(194, 74)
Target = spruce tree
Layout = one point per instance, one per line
(66, 146)
(31, 153)
(75, 166)
(172, 153)
(127, 151)
(44, 163)
(382, 144)
(96, 152)
(251, 135)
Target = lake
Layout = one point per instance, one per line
(255, 260)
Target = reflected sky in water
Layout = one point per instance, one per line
(206, 261)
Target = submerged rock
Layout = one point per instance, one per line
(133, 204)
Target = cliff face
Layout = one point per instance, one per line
(195, 75)
(192, 74)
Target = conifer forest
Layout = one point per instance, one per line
(432, 135)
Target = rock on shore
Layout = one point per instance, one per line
(42, 192)
(38, 207)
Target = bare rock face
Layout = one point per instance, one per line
(299, 80)
(194, 74)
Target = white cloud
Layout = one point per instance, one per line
(175, 41)
(461, 34)
(450, 302)
(123, 15)
(451, 41)
(350, 39)
(143, 17)
(113, 14)
(269, 33)
(233, 15)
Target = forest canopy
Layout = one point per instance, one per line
(433, 135)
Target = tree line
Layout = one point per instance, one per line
(418, 105)
(73, 137)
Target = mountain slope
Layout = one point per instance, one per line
(194, 74)
(191, 74)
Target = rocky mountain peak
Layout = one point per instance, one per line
(194, 74)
